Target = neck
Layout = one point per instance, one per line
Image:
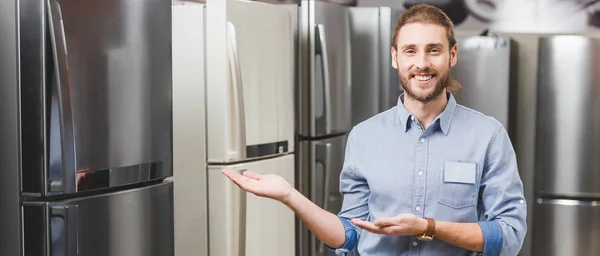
(426, 112)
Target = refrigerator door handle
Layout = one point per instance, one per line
(321, 49)
(323, 156)
(241, 218)
(69, 215)
(63, 89)
(239, 131)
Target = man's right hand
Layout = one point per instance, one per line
(269, 185)
(325, 225)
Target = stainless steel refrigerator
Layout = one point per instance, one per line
(92, 126)
(487, 69)
(323, 107)
(567, 166)
(375, 83)
(234, 90)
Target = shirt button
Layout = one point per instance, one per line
(415, 243)
(420, 173)
(521, 201)
(418, 208)
(422, 140)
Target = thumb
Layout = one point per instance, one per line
(384, 222)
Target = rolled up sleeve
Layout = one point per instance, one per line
(503, 203)
(355, 192)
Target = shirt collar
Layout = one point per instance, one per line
(444, 118)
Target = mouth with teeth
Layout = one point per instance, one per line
(423, 78)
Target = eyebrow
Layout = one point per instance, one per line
(406, 46)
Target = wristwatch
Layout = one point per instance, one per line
(428, 235)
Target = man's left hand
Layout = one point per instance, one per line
(406, 224)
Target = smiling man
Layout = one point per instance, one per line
(427, 177)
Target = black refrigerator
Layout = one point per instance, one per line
(86, 128)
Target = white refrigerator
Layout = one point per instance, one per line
(234, 97)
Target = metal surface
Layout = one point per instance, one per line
(389, 82)
(321, 162)
(189, 129)
(567, 124)
(313, 100)
(240, 222)
(566, 227)
(10, 218)
(136, 222)
(105, 97)
(484, 70)
(375, 84)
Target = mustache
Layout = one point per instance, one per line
(425, 70)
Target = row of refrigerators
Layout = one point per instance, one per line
(100, 170)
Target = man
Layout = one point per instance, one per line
(427, 177)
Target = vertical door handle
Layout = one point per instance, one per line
(321, 49)
(70, 229)
(63, 90)
(238, 133)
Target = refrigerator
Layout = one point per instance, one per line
(375, 83)
(237, 63)
(324, 108)
(487, 68)
(567, 170)
(90, 112)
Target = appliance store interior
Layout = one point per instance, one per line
(127, 126)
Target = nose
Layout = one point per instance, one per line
(422, 61)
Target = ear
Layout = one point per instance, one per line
(394, 58)
(453, 55)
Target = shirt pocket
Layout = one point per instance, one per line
(458, 185)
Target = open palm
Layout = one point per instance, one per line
(269, 185)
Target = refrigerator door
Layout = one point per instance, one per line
(189, 132)
(567, 124)
(484, 70)
(250, 80)
(375, 84)
(96, 94)
(566, 227)
(135, 222)
(242, 224)
(320, 164)
(325, 97)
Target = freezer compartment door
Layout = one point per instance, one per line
(250, 80)
(567, 125)
(320, 164)
(136, 222)
(96, 94)
(242, 224)
(566, 227)
(484, 70)
(375, 84)
(326, 70)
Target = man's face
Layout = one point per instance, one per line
(423, 60)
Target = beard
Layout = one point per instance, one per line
(443, 82)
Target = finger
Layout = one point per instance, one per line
(368, 226)
(238, 179)
(385, 222)
(252, 175)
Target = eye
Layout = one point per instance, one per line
(410, 51)
(434, 50)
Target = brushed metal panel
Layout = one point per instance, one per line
(568, 117)
(566, 227)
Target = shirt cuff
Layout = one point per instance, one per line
(492, 237)
(351, 238)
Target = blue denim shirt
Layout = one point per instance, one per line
(462, 168)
